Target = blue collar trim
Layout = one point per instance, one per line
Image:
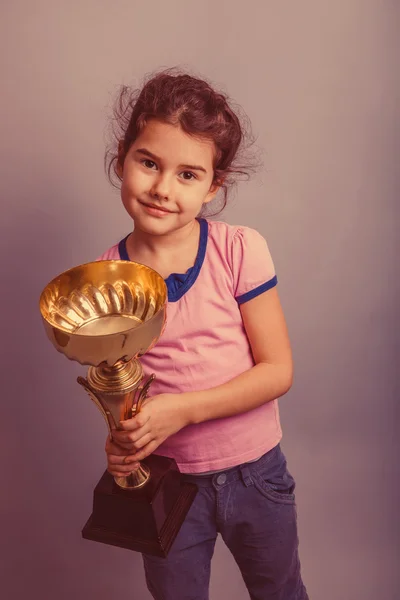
(178, 284)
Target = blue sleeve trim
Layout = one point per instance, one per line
(264, 287)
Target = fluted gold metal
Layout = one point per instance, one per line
(104, 311)
(107, 314)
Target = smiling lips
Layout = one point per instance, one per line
(154, 207)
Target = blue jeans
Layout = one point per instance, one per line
(253, 507)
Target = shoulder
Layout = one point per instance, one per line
(237, 237)
(226, 230)
(247, 254)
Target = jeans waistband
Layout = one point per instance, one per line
(232, 474)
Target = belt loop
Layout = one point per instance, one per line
(246, 476)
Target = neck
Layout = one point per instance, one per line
(160, 244)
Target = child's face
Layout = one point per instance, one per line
(168, 169)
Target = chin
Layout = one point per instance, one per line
(154, 226)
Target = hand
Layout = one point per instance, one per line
(159, 418)
(119, 463)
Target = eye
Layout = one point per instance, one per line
(149, 164)
(188, 175)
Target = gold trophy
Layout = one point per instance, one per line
(107, 314)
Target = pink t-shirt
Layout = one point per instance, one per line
(204, 345)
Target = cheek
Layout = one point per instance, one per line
(125, 191)
(189, 197)
(192, 198)
(128, 194)
(132, 183)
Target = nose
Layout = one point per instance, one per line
(161, 187)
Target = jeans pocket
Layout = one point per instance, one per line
(274, 481)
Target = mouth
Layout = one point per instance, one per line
(155, 209)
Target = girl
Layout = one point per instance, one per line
(224, 357)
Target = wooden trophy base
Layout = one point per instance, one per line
(144, 520)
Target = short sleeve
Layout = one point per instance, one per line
(252, 265)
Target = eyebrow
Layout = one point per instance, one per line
(146, 152)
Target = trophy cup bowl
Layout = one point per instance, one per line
(106, 314)
(104, 311)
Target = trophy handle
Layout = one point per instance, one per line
(143, 395)
(104, 411)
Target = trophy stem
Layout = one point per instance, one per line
(134, 480)
(118, 393)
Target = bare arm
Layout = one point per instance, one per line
(270, 378)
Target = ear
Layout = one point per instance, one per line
(214, 189)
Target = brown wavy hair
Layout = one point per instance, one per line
(181, 99)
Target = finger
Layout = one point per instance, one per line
(123, 464)
(123, 460)
(125, 469)
(130, 437)
(123, 449)
(132, 447)
(135, 423)
(120, 437)
(146, 451)
(118, 473)
(142, 442)
(117, 449)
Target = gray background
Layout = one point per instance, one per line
(319, 81)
